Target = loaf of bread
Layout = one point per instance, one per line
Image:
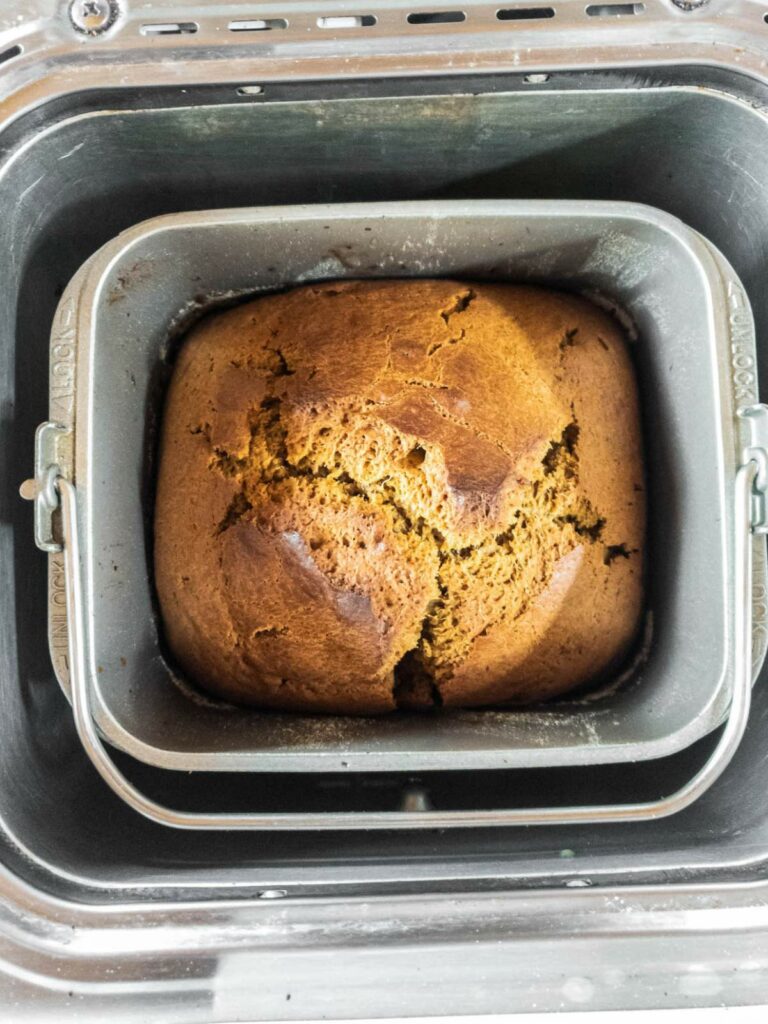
(383, 494)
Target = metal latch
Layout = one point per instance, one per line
(53, 452)
(755, 420)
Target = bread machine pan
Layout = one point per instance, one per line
(694, 351)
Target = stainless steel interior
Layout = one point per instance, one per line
(86, 169)
(103, 916)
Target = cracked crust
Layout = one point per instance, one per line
(400, 493)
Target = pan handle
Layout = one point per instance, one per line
(420, 817)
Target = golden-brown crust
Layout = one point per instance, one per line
(399, 492)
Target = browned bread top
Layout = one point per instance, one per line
(397, 493)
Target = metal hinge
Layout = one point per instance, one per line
(53, 451)
(755, 441)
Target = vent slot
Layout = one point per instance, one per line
(257, 25)
(435, 17)
(613, 10)
(525, 13)
(10, 53)
(170, 28)
(347, 21)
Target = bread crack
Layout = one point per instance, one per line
(202, 428)
(413, 688)
(226, 464)
(505, 559)
(459, 304)
(237, 509)
(614, 551)
(453, 340)
(283, 369)
(266, 424)
(591, 529)
(444, 640)
(563, 451)
(428, 385)
(568, 339)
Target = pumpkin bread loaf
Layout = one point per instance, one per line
(400, 493)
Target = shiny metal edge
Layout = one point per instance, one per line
(419, 817)
(54, 60)
(419, 953)
(49, 30)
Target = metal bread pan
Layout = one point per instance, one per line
(694, 351)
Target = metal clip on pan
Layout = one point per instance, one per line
(50, 490)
